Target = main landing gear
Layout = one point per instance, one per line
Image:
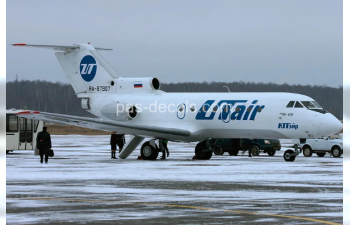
(149, 150)
(290, 155)
(203, 150)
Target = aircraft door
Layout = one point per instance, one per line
(225, 115)
(25, 134)
(181, 111)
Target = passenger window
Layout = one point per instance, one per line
(290, 104)
(298, 105)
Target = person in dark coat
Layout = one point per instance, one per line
(164, 148)
(121, 141)
(43, 142)
(113, 142)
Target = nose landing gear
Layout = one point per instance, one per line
(290, 155)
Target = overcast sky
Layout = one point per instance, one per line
(294, 42)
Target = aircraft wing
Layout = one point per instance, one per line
(100, 124)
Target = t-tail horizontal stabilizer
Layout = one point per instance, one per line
(85, 68)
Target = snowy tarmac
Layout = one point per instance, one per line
(81, 184)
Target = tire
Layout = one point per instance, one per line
(255, 150)
(307, 152)
(217, 150)
(201, 153)
(321, 154)
(271, 153)
(288, 157)
(233, 152)
(336, 152)
(148, 152)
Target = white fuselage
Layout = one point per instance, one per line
(274, 120)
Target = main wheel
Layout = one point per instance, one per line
(233, 151)
(218, 150)
(148, 152)
(201, 151)
(255, 150)
(307, 151)
(336, 152)
(271, 153)
(320, 154)
(288, 155)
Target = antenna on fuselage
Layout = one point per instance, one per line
(227, 88)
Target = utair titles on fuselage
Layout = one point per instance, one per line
(241, 112)
(253, 115)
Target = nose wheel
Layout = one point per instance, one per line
(290, 155)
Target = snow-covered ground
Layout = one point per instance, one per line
(81, 183)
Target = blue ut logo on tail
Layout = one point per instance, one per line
(88, 68)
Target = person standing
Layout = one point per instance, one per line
(43, 143)
(121, 141)
(113, 143)
(164, 148)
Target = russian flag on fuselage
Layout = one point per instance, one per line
(138, 84)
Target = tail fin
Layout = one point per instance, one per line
(84, 66)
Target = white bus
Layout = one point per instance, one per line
(21, 132)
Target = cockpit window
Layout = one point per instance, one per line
(316, 104)
(298, 105)
(308, 105)
(290, 104)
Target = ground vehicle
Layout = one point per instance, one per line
(233, 145)
(320, 146)
(21, 132)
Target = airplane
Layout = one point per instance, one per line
(138, 107)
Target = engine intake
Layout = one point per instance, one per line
(135, 85)
(155, 84)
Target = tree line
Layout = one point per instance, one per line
(60, 97)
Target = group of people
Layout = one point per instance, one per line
(43, 144)
(43, 141)
(119, 140)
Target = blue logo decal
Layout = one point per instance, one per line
(287, 126)
(229, 110)
(88, 68)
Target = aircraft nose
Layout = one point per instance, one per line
(333, 124)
